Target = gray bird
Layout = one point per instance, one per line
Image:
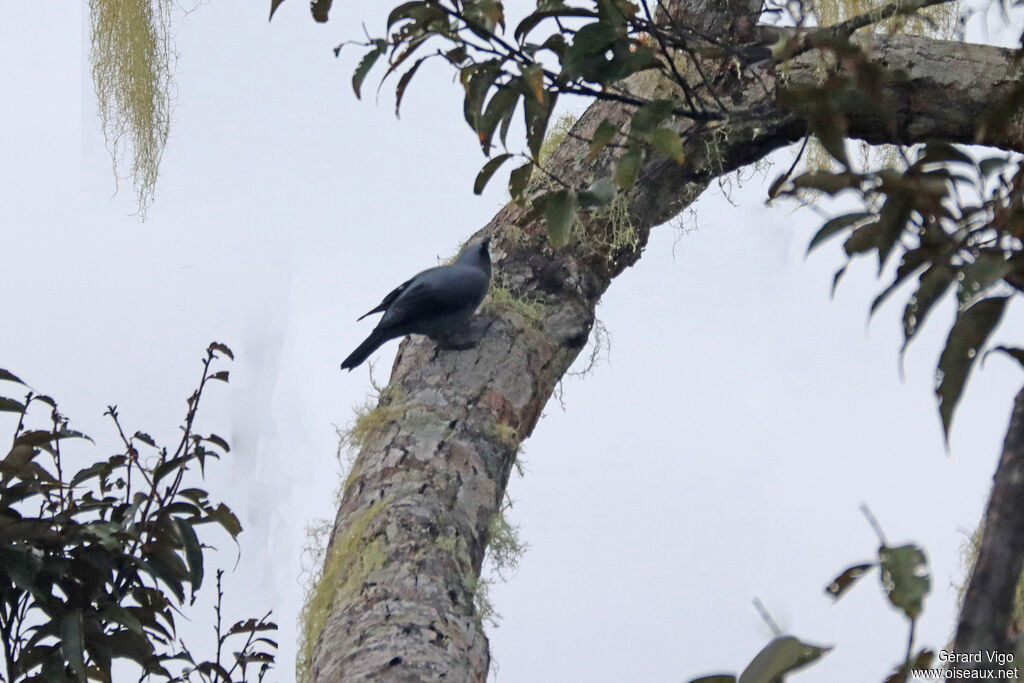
(432, 303)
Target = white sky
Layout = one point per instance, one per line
(720, 453)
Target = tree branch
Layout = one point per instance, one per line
(988, 622)
(396, 597)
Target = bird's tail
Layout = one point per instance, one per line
(364, 350)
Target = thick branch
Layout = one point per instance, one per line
(412, 528)
(988, 623)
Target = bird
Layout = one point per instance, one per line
(431, 303)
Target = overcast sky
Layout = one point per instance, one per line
(719, 452)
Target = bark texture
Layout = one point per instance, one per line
(396, 598)
(989, 622)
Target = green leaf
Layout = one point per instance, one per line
(559, 213)
(223, 515)
(7, 376)
(519, 179)
(849, 577)
(992, 165)
(365, 64)
(932, 285)
(219, 442)
(989, 267)
(9, 405)
(603, 134)
(905, 577)
(193, 554)
(274, 4)
(835, 226)
(627, 168)
(969, 333)
(477, 79)
(587, 51)
(533, 76)
(536, 116)
(72, 643)
(403, 83)
(647, 117)
(499, 110)
(862, 239)
(912, 262)
(668, 142)
(943, 153)
(487, 171)
(780, 656)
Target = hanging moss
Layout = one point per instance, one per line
(132, 57)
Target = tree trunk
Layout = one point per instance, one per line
(989, 620)
(395, 601)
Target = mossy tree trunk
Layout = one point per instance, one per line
(396, 598)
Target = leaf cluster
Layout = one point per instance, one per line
(96, 560)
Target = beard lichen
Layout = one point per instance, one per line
(132, 56)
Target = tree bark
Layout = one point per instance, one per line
(396, 598)
(989, 622)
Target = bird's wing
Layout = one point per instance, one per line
(444, 292)
(383, 305)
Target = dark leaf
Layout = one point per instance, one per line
(222, 348)
(519, 179)
(193, 554)
(532, 20)
(403, 83)
(847, 579)
(499, 110)
(225, 517)
(603, 134)
(989, 267)
(647, 117)
(477, 79)
(366, 63)
(627, 168)
(835, 226)
(716, 678)
(969, 333)
(319, 10)
(221, 375)
(274, 4)
(932, 285)
(536, 116)
(219, 442)
(7, 376)
(944, 153)
(1015, 353)
(587, 50)
(826, 181)
(862, 239)
(487, 171)
(73, 642)
(905, 577)
(993, 165)
(912, 262)
(9, 405)
(144, 438)
(559, 213)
